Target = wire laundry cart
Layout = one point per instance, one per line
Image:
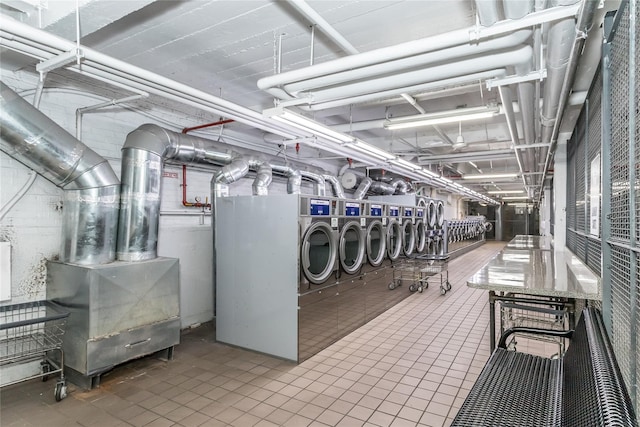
(417, 270)
(439, 267)
(409, 270)
(32, 331)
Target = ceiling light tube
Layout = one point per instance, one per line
(365, 148)
(442, 117)
(515, 198)
(505, 192)
(491, 176)
(306, 124)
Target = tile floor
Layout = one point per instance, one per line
(411, 366)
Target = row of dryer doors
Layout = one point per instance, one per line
(352, 248)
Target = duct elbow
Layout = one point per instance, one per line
(362, 189)
(294, 182)
(337, 187)
(232, 172)
(263, 179)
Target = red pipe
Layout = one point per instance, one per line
(218, 123)
(184, 193)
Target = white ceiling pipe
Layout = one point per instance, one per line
(505, 97)
(415, 47)
(439, 72)
(415, 61)
(315, 18)
(226, 108)
(475, 77)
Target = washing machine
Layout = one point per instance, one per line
(351, 237)
(394, 232)
(318, 244)
(408, 230)
(420, 229)
(375, 224)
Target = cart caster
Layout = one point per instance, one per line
(61, 391)
(420, 289)
(413, 288)
(443, 290)
(45, 368)
(392, 286)
(448, 286)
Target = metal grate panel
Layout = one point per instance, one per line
(580, 166)
(637, 402)
(594, 141)
(621, 312)
(571, 240)
(571, 194)
(620, 207)
(581, 247)
(594, 255)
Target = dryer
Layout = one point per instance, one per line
(351, 236)
(318, 222)
(408, 230)
(375, 235)
(394, 232)
(420, 229)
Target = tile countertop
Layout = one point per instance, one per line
(555, 273)
(525, 242)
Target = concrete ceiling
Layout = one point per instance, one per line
(224, 47)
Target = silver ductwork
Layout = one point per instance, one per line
(401, 186)
(318, 180)
(143, 155)
(362, 189)
(337, 187)
(383, 188)
(294, 177)
(92, 189)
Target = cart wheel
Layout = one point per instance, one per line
(61, 391)
(412, 288)
(45, 367)
(420, 289)
(392, 286)
(448, 286)
(443, 290)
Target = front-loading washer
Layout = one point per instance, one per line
(408, 231)
(394, 232)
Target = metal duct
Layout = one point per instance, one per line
(362, 189)
(516, 9)
(337, 187)
(143, 155)
(380, 187)
(400, 185)
(318, 182)
(91, 187)
(294, 177)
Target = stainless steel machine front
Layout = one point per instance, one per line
(118, 312)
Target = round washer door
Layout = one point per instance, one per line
(376, 243)
(351, 247)
(431, 214)
(319, 250)
(408, 237)
(439, 214)
(420, 236)
(394, 240)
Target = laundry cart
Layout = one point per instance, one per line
(437, 266)
(409, 270)
(33, 331)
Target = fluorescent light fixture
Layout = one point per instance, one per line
(516, 198)
(372, 150)
(505, 192)
(405, 164)
(442, 117)
(491, 176)
(307, 125)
